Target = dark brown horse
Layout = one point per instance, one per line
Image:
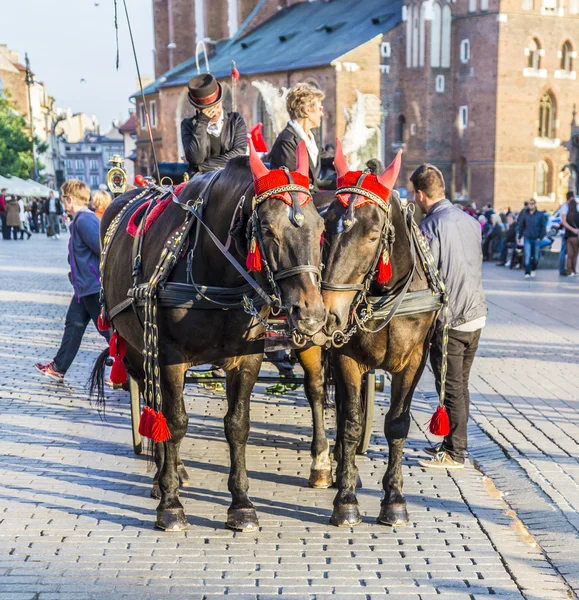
(365, 220)
(288, 229)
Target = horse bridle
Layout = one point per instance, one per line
(339, 337)
(297, 218)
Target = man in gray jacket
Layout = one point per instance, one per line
(455, 241)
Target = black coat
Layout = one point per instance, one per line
(58, 204)
(197, 144)
(283, 154)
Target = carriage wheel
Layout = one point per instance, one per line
(367, 393)
(135, 415)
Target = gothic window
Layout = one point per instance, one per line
(567, 57)
(484, 5)
(422, 35)
(471, 5)
(435, 35)
(262, 117)
(534, 54)
(409, 22)
(445, 37)
(547, 116)
(199, 20)
(400, 130)
(543, 178)
(415, 35)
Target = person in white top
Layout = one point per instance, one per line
(24, 224)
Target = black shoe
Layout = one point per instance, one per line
(433, 450)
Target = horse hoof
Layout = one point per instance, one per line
(156, 491)
(320, 478)
(184, 480)
(345, 515)
(242, 519)
(393, 514)
(171, 519)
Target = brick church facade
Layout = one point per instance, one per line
(482, 88)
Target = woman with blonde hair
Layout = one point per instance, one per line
(99, 201)
(304, 105)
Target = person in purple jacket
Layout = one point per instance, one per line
(84, 259)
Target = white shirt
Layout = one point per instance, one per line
(52, 205)
(214, 128)
(564, 209)
(310, 140)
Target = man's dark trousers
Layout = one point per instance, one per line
(79, 314)
(462, 347)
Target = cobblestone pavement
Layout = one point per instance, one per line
(76, 520)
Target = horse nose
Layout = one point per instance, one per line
(308, 319)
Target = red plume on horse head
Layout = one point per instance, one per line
(258, 169)
(390, 175)
(302, 160)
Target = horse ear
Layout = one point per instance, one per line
(302, 160)
(390, 175)
(340, 161)
(258, 169)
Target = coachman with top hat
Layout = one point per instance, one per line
(213, 136)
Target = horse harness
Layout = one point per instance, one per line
(173, 294)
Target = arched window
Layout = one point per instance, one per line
(261, 116)
(547, 116)
(567, 57)
(463, 173)
(435, 33)
(409, 22)
(445, 38)
(400, 130)
(415, 35)
(422, 35)
(534, 54)
(543, 178)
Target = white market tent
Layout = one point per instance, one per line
(28, 188)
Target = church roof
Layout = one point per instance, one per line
(305, 35)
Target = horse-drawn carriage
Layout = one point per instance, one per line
(177, 295)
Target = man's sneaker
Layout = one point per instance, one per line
(433, 450)
(527, 276)
(533, 273)
(49, 371)
(442, 460)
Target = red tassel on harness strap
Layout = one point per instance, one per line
(118, 350)
(440, 423)
(384, 268)
(253, 260)
(103, 322)
(145, 422)
(159, 428)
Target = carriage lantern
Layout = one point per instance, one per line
(117, 177)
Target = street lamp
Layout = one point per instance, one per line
(29, 82)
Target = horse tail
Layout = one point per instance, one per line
(96, 380)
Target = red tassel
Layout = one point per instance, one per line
(322, 239)
(145, 422)
(384, 268)
(118, 350)
(440, 423)
(253, 261)
(159, 428)
(103, 322)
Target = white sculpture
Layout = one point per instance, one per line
(357, 134)
(274, 101)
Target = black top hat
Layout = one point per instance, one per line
(204, 91)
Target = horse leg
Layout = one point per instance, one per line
(241, 515)
(396, 425)
(349, 381)
(170, 513)
(321, 467)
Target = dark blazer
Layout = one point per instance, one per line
(58, 204)
(197, 144)
(283, 154)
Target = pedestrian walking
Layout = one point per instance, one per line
(99, 201)
(34, 214)
(53, 210)
(3, 214)
(24, 224)
(532, 229)
(213, 136)
(563, 212)
(455, 241)
(12, 217)
(83, 257)
(572, 237)
(493, 238)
